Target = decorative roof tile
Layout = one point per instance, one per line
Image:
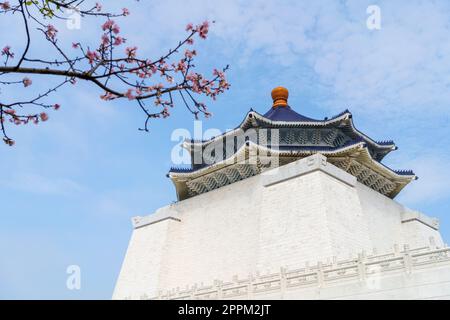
(286, 114)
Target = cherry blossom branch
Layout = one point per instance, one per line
(119, 73)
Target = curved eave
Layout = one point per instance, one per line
(355, 149)
(406, 176)
(381, 145)
(253, 116)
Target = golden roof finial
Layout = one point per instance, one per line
(280, 96)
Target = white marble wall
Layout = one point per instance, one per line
(306, 211)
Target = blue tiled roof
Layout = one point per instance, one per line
(385, 142)
(294, 147)
(339, 114)
(285, 114)
(181, 170)
(404, 172)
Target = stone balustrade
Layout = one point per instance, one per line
(364, 268)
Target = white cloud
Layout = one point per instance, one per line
(401, 67)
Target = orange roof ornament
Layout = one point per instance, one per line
(280, 96)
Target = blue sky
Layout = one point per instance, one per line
(69, 188)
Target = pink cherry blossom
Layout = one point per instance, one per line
(203, 29)
(51, 32)
(5, 5)
(108, 25)
(7, 51)
(105, 40)
(129, 94)
(8, 141)
(115, 29)
(165, 113)
(131, 52)
(26, 82)
(92, 55)
(190, 54)
(118, 41)
(181, 66)
(108, 96)
(43, 116)
(111, 25)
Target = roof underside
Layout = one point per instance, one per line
(252, 159)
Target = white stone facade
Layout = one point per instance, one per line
(287, 218)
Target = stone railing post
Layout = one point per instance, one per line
(283, 284)
(218, 288)
(361, 267)
(250, 291)
(193, 291)
(396, 249)
(320, 277)
(432, 243)
(407, 261)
